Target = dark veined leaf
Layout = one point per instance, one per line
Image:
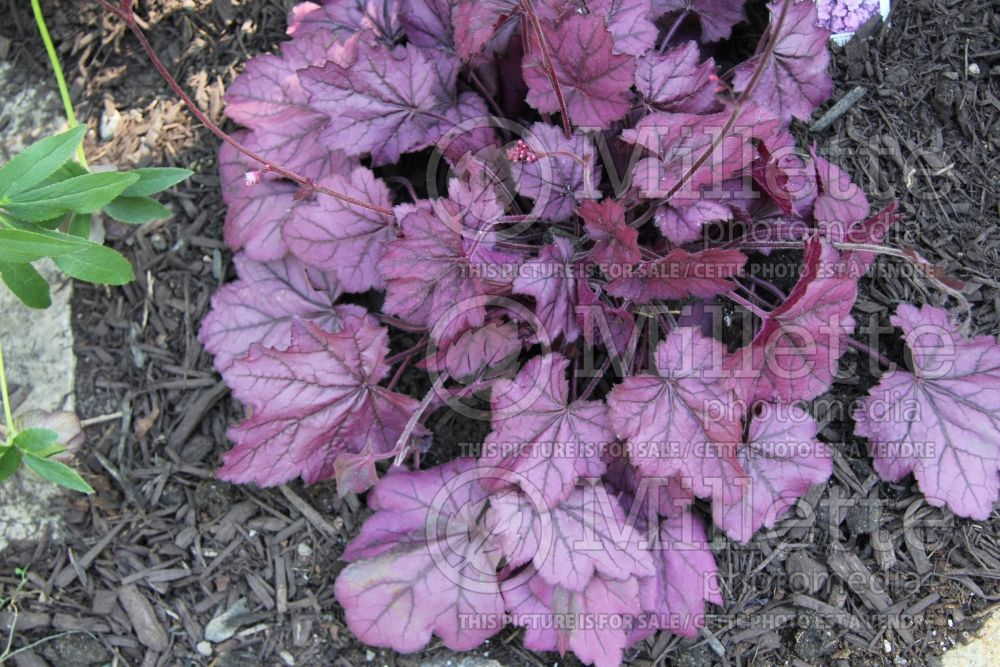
(80, 194)
(155, 179)
(58, 473)
(26, 283)
(38, 161)
(137, 210)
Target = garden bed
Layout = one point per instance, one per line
(162, 534)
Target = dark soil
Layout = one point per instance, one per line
(863, 573)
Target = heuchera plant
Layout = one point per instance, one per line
(567, 205)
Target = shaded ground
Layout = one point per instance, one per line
(163, 548)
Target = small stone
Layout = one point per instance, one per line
(110, 119)
(973, 69)
(158, 242)
(225, 625)
(370, 655)
(886, 646)
(204, 648)
(303, 550)
(287, 658)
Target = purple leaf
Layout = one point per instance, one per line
(422, 564)
(683, 223)
(428, 23)
(677, 80)
(313, 400)
(595, 82)
(341, 238)
(541, 441)
(782, 460)
(340, 20)
(617, 243)
(840, 204)
(585, 535)
(717, 16)
(795, 79)
(551, 279)
(261, 306)
(593, 623)
(257, 213)
(680, 419)
(386, 101)
(939, 422)
(686, 578)
(603, 324)
(794, 355)
(268, 93)
(872, 230)
(784, 176)
(432, 271)
(629, 22)
(489, 347)
(478, 22)
(679, 141)
(680, 274)
(557, 172)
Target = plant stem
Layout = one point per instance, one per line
(749, 305)
(529, 10)
(11, 432)
(871, 352)
(308, 183)
(57, 70)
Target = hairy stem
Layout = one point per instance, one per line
(125, 14)
(58, 72)
(550, 70)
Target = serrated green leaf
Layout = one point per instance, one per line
(58, 473)
(22, 246)
(10, 459)
(38, 161)
(40, 442)
(26, 283)
(137, 210)
(80, 194)
(98, 264)
(155, 179)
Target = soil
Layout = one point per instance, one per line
(863, 573)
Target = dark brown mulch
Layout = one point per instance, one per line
(864, 573)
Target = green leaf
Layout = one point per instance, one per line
(155, 179)
(22, 246)
(40, 442)
(95, 263)
(80, 194)
(38, 161)
(79, 225)
(27, 284)
(58, 473)
(137, 210)
(10, 459)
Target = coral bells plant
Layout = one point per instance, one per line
(574, 224)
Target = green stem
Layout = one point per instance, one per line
(60, 79)
(6, 398)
